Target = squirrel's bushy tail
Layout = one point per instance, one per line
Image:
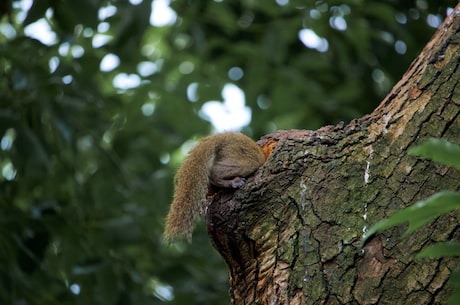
(192, 180)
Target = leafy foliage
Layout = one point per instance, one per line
(440, 151)
(441, 249)
(419, 213)
(424, 211)
(94, 117)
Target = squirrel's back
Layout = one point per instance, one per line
(223, 160)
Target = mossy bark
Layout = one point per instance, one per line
(292, 234)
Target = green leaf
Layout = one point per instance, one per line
(441, 249)
(454, 282)
(419, 213)
(439, 150)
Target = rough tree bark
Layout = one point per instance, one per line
(292, 234)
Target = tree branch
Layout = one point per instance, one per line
(292, 234)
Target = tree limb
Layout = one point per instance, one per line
(292, 234)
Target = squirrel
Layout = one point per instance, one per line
(223, 160)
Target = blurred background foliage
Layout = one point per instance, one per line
(100, 99)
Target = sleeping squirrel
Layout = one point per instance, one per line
(223, 160)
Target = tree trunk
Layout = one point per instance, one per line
(292, 234)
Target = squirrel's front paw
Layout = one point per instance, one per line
(237, 182)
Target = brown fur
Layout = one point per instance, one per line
(222, 160)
